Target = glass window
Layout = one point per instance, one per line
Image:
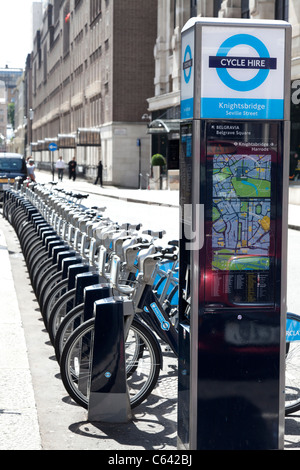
(240, 252)
(193, 8)
(282, 10)
(95, 9)
(217, 6)
(245, 12)
(11, 164)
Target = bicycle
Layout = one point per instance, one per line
(71, 309)
(142, 375)
(292, 389)
(97, 270)
(147, 364)
(142, 347)
(40, 265)
(58, 285)
(292, 405)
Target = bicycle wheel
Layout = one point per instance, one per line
(19, 218)
(10, 209)
(69, 323)
(25, 232)
(292, 365)
(34, 248)
(73, 320)
(39, 268)
(7, 207)
(76, 360)
(45, 283)
(56, 290)
(60, 309)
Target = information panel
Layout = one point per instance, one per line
(239, 70)
(234, 153)
(240, 245)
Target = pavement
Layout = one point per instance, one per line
(19, 421)
(18, 415)
(165, 198)
(169, 198)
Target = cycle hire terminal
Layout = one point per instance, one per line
(235, 83)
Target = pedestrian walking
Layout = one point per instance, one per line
(72, 169)
(99, 173)
(30, 169)
(60, 165)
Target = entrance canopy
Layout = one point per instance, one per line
(88, 137)
(34, 146)
(164, 126)
(66, 141)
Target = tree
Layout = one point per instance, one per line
(11, 114)
(158, 160)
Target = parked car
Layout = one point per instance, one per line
(11, 166)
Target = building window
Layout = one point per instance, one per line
(38, 47)
(77, 3)
(95, 9)
(282, 10)
(173, 5)
(34, 78)
(193, 8)
(217, 6)
(45, 62)
(66, 29)
(245, 12)
(50, 12)
(57, 5)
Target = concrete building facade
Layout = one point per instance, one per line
(92, 69)
(3, 116)
(9, 78)
(164, 105)
(114, 67)
(18, 143)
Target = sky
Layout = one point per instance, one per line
(15, 32)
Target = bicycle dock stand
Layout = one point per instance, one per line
(93, 293)
(90, 295)
(82, 281)
(109, 399)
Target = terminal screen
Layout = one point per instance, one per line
(240, 213)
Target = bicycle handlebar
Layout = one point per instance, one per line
(169, 256)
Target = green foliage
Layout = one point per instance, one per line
(158, 160)
(11, 114)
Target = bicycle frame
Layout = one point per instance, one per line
(152, 312)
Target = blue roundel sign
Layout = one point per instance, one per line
(255, 43)
(187, 64)
(52, 146)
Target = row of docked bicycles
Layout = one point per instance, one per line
(76, 255)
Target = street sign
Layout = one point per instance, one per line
(52, 146)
